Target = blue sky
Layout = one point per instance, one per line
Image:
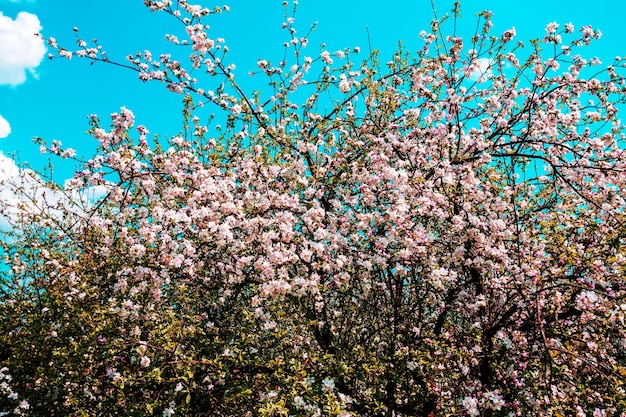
(51, 98)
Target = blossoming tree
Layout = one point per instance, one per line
(438, 235)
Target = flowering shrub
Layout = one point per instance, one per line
(437, 235)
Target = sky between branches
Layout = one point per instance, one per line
(51, 98)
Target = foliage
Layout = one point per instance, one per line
(437, 235)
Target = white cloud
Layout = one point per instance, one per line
(96, 193)
(480, 69)
(25, 197)
(5, 129)
(8, 168)
(8, 171)
(20, 49)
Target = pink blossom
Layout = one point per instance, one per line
(551, 27)
(326, 57)
(509, 34)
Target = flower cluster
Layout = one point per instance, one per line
(10, 396)
(443, 238)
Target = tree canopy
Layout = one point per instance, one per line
(436, 235)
